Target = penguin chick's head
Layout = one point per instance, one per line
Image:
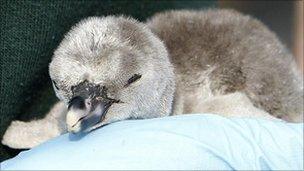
(108, 69)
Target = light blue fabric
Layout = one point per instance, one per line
(199, 141)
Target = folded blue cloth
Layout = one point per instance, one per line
(200, 141)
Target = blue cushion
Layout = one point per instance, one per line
(197, 141)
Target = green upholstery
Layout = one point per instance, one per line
(31, 30)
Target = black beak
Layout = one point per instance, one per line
(85, 113)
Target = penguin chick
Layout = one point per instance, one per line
(108, 69)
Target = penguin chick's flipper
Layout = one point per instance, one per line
(23, 135)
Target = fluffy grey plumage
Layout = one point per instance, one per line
(114, 68)
(241, 54)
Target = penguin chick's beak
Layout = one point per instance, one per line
(85, 113)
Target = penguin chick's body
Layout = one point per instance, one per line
(114, 68)
(219, 52)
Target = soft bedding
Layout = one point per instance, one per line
(196, 141)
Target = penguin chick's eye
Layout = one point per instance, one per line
(134, 78)
(55, 84)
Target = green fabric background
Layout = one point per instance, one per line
(31, 30)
